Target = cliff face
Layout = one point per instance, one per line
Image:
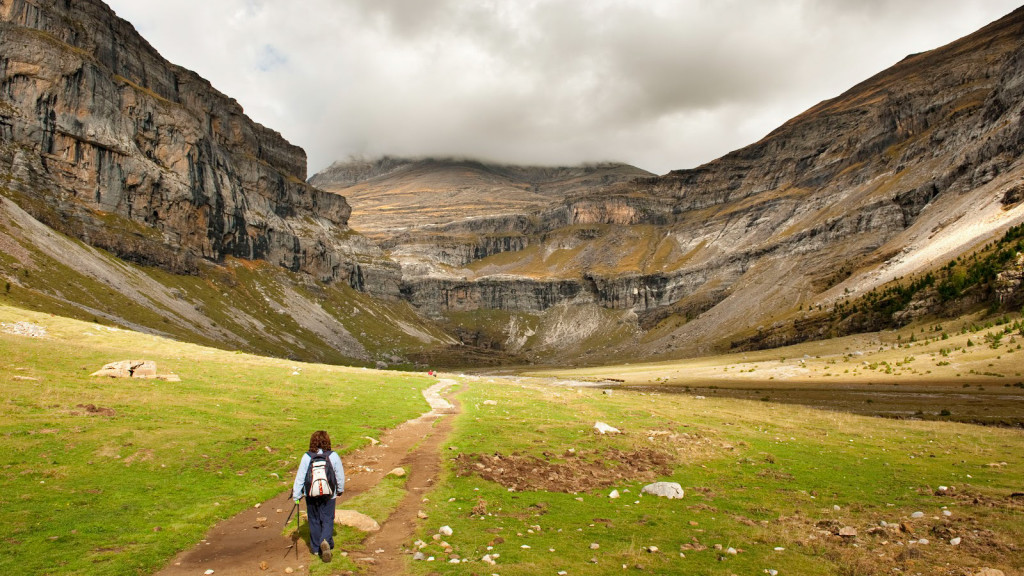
(901, 173)
(98, 128)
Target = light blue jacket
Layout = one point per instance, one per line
(298, 489)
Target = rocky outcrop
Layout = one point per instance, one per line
(102, 134)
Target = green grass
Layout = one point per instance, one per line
(757, 476)
(121, 494)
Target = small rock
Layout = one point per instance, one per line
(848, 532)
(732, 551)
(419, 556)
(836, 507)
(603, 428)
(917, 515)
(422, 515)
(490, 403)
(614, 494)
(445, 530)
(594, 545)
(356, 520)
(487, 559)
(989, 572)
(669, 490)
(922, 541)
(955, 541)
(652, 549)
(264, 565)
(397, 472)
(525, 546)
(947, 513)
(772, 572)
(289, 570)
(208, 572)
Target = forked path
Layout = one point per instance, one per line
(252, 542)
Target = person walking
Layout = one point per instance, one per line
(321, 479)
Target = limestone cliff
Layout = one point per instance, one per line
(898, 175)
(106, 141)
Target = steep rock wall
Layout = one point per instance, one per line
(97, 126)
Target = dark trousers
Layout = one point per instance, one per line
(320, 512)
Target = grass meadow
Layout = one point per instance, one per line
(119, 488)
(104, 476)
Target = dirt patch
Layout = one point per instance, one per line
(920, 545)
(94, 410)
(572, 472)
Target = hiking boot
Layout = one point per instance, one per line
(325, 551)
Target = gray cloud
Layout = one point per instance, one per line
(661, 84)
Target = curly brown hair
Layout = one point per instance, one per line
(319, 441)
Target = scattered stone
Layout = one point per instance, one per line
(373, 441)
(614, 494)
(289, 570)
(24, 329)
(419, 556)
(264, 565)
(594, 545)
(490, 403)
(422, 515)
(134, 369)
(989, 572)
(208, 572)
(955, 541)
(606, 392)
(669, 490)
(445, 530)
(772, 572)
(487, 559)
(652, 549)
(947, 513)
(917, 515)
(357, 520)
(603, 428)
(779, 548)
(836, 507)
(732, 551)
(397, 472)
(848, 532)
(923, 541)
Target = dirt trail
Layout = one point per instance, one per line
(251, 542)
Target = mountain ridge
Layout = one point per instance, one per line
(220, 238)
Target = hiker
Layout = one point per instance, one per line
(321, 479)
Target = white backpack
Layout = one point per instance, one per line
(320, 475)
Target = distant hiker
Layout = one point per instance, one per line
(321, 479)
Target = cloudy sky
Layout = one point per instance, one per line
(661, 84)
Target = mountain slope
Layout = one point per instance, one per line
(898, 175)
(393, 195)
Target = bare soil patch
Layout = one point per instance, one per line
(94, 410)
(571, 472)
